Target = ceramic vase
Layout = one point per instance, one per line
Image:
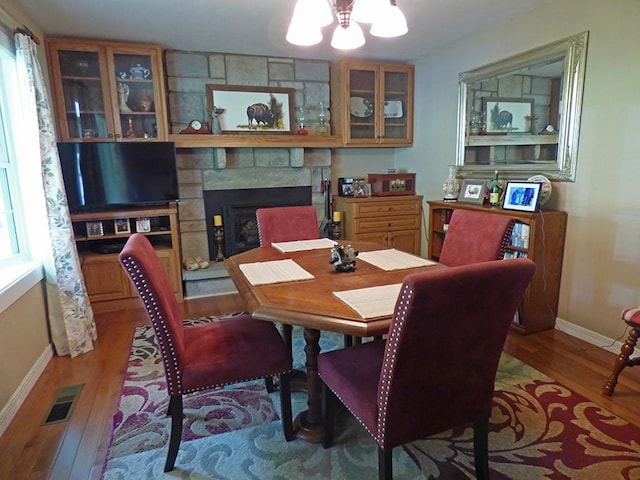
(451, 185)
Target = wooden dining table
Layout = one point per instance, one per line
(312, 304)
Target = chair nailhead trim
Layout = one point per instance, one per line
(398, 322)
(167, 347)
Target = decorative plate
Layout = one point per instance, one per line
(361, 107)
(545, 191)
(392, 109)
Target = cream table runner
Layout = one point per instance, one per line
(262, 273)
(393, 259)
(299, 245)
(372, 302)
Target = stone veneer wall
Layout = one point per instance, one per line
(200, 169)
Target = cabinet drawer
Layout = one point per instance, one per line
(386, 224)
(410, 207)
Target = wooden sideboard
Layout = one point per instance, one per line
(391, 221)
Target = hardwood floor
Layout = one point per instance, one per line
(77, 449)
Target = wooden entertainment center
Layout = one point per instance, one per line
(538, 236)
(99, 238)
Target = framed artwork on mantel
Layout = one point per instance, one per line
(251, 109)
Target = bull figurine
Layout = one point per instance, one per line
(343, 258)
(261, 114)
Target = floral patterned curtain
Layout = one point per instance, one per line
(71, 320)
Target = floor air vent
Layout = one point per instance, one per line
(62, 405)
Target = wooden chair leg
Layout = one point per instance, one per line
(285, 405)
(327, 406)
(622, 361)
(287, 335)
(177, 414)
(385, 464)
(270, 385)
(481, 449)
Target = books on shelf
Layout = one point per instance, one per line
(509, 254)
(520, 235)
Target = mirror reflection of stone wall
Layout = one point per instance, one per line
(521, 115)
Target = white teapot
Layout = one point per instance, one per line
(139, 72)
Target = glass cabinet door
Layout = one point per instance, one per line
(362, 104)
(84, 113)
(134, 107)
(397, 106)
(107, 91)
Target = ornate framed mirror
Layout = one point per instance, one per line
(521, 115)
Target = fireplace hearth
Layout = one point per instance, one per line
(238, 209)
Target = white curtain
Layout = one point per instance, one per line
(71, 319)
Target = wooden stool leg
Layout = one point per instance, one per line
(622, 361)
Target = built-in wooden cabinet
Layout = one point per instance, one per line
(536, 235)
(107, 91)
(372, 103)
(391, 221)
(100, 237)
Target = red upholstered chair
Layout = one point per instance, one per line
(437, 368)
(475, 237)
(208, 355)
(284, 224)
(631, 316)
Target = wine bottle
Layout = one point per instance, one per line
(494, 190)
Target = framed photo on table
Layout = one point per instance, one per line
(252, 109)
(523, 196)
(473, 191)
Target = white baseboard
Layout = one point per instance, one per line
(588, 336)
(11, 408)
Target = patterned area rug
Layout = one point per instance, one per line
(539, 430)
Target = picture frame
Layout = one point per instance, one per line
(94, 229)
(121, 225)
(523, 196)
(361, 187)
(143, 225)
(272, 108)
(345, 187)
(507, 115)
(473, 191)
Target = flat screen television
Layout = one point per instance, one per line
(100, 176)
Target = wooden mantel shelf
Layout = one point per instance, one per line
(256, 141)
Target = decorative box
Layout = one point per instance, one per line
(385, 184)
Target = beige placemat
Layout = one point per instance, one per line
(262, 273)
(372, 302)
(299, 245)
(392, 259)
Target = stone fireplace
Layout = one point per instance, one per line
(218, 169)
(238, 209)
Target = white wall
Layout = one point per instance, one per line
(601, 272)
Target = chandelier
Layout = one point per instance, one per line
(309, 16)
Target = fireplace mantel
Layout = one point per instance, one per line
(257, 141)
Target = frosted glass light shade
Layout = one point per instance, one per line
(390, 23)
(312, 12)
(303, 35)
(347, 38)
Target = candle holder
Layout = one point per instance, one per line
(336, 230)
(218, 236)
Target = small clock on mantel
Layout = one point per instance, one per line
(195, 127)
